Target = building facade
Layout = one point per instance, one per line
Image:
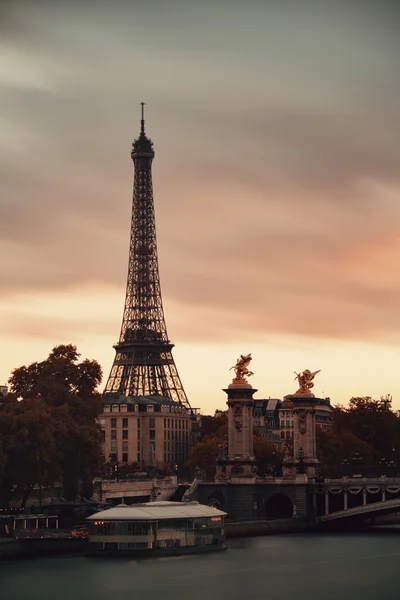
(149, 431)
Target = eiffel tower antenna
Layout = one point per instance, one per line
(143, 364)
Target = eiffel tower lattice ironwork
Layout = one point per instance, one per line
(143, 364)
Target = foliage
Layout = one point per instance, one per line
(204, 454)
(368, 429)
(214, 426)
(268, 456)
(48, 426)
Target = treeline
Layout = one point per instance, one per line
(364, 438)
(48, 427)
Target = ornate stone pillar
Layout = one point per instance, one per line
(239, 462)
(304, 458)
(304, 440)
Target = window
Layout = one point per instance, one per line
(106, 408)
(124, 408)
(115, 408)
(113, 434)
(132, 545)
(136, 407)
(152, 434)
(113, 423)
(152, 423)
(288, 435)
(113, 449)
(97, 545)
(124, 457)
(124, 446)
(150, 408)
(124, 434)
(125, 422)
(282, 435)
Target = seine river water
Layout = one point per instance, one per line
(321, 566)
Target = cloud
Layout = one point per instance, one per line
(277, 161)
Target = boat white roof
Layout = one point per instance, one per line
(154, 511)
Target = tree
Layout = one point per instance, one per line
(268, 456)
(53, 405)
(335, 449)
(373, 422)
(28, 442)
(204, 454)
(214, 426)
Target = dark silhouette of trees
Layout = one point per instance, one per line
(204, 454)
(268, 456)
(48, 426)
(367, 429)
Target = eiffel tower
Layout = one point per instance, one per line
(143, 364)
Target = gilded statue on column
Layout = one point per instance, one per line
(305, 381)
(241, 366)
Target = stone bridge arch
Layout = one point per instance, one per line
(217, 500)
(279, 506)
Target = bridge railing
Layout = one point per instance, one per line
(369, 480)
(382, 505)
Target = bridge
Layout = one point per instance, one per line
(129, 491)
(356, 497)
(374, 509)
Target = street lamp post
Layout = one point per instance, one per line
(357, 459)
(346, 464)
(116, 466)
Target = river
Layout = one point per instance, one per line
(303, 566)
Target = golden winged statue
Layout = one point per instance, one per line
(241, 366)
(305, 380)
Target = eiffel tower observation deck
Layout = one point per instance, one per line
(143, 364)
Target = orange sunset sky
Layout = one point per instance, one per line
(276, 182)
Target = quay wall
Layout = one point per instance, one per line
(255, 528)
(12, 549)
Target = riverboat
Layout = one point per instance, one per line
(156, 529)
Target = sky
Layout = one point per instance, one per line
(276, 184)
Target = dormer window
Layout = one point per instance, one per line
(124, 408)
(106, 408)
(115, 408)
(150, 408)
